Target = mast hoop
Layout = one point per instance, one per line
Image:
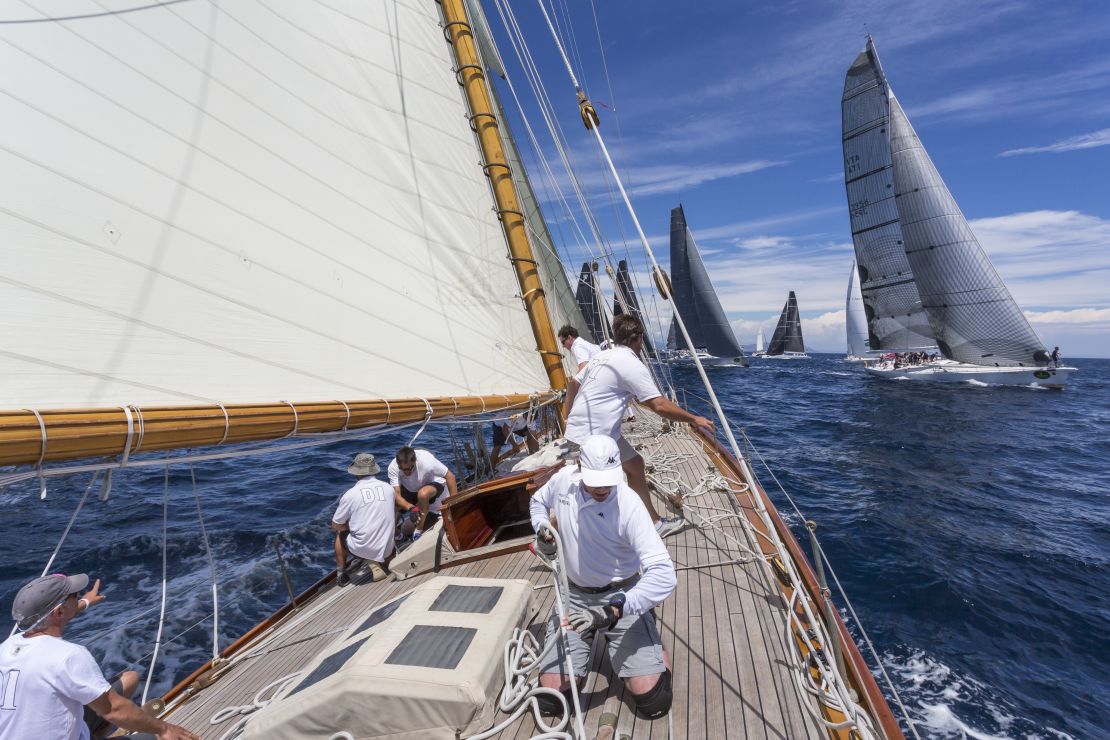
(42, 431)
(481, 114)
(347, 421)
(463, 25)
(462, 68)
(296, 419)
(504, 165)
(227, 424)
(501, 217)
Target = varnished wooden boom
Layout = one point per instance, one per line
(79, 433)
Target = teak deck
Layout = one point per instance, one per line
(724, 628)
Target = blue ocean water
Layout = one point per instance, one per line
(970, 527)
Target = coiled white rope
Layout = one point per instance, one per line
(273, 689)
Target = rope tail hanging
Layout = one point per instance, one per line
(162, 610)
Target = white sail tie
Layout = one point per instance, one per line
(227, 424)
(296, 419)
(141, 426)
(42, 453)
(427, 418)
(347, 421)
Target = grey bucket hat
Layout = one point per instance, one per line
(35, 600)
(363, 464)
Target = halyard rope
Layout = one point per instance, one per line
(162, 612)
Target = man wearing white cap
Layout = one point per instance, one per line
(45, 681)
(598, 396)
(618, 569)
(364, 521)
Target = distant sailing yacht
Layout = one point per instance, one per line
(759, 343)
(786, 342)
(924, 277)
(712, 336)
(855, 322)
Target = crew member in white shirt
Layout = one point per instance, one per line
(364, 521)
(582, 350)
(46, 682)
(418, 480)
(618, 569)
(598, 396)
(511, 432)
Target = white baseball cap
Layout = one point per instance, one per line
(600, 459)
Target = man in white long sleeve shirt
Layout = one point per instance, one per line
(618, 568)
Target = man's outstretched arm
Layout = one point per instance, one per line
(670, 410)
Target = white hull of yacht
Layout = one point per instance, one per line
(708, 360)
(947, 371)
(787, 356)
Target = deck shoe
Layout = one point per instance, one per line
(377, 572)
(341, 578)
(670, 525)
(416, 534)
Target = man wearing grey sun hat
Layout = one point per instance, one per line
(46, 681)
(364, 521)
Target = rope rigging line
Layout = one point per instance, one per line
(162, 612)
(211, 568)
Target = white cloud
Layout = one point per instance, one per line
(1070, 144)
(1076, 316)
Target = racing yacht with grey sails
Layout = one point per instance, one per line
(713, 338)
(241, 229)
(908, 231)
(786, 342)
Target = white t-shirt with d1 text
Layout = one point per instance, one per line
(606, 385)
(367, 509)
(583, 351)
(45, 682)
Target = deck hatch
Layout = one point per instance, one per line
(467, 599)
(330, 665)
(381, 614)
(431, 646)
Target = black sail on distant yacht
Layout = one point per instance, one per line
(697, 302)
(588, 298)
(625, 297)
(786, 342)
(918, 257)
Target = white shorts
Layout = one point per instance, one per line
(627, 450)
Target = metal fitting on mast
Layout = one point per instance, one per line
(587, 110)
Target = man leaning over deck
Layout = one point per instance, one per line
(49, 687)
(598, 396)
(618, 570)
(418, 480)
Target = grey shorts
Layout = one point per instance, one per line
(635, 648)
(627, 450)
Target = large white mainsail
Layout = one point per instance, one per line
(273, 203)
(895, 317)
(855, 318)
(974, 317)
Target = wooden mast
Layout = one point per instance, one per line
(471, 76)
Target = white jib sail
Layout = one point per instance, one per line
(855, 318)
(246, 202)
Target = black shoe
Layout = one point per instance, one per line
(341, 578)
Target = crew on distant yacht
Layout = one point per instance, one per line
(599, 394)
(1056, 356)
(512, 431)
(52, 688)
(364, 521)
(582, 350)
(419, 479)
(618, 569)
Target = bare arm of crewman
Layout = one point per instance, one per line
(670, 410)
(119, 710)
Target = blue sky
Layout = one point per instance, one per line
(733, 109)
